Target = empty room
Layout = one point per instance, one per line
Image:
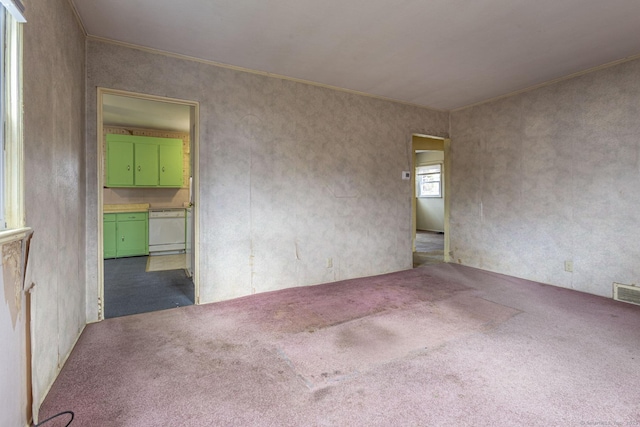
(299, 213)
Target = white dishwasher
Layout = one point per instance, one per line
(166, 231)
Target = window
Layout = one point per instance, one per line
(3, 90)
(11, 162)
(428, 181)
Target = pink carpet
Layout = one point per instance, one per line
(442, 345)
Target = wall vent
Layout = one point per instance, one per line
(626, 293)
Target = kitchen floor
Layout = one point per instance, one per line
(429, 248)
(130, 289)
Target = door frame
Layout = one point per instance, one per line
(432, 143)
(194, 141)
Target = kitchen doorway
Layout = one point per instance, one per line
(148, 203)
(430, 202)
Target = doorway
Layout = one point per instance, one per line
(147, 231)
(430, 213)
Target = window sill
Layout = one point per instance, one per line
(14, 234)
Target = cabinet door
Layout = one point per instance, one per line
(171, 165)
(146, 156)
(119, 164)
(132, 238)
(109, 238)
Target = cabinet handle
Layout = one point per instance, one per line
(123, 238)
(139, 168)
(163, 169)
(128, 167)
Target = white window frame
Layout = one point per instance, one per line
(429, 174)
(13, 224)
(3, 101)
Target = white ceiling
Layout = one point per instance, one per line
(442, 54)
(126, 111)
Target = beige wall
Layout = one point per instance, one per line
(290, 174)
(552, 175)
(54, 59)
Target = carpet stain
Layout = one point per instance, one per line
(337, 352)
(324, 306)
(454, 379)
(223, 346)
(365, 335)
(320, 394)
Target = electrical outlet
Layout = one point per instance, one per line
(568, 266)
(329, 262)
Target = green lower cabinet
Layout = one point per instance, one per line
(109, 235)
(129, 234)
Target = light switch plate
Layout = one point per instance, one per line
(406, 175)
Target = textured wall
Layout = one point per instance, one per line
(552, 175)
(54, 180)
(290, 174)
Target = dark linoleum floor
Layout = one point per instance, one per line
(129, 289)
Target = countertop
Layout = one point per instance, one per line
(140, 207)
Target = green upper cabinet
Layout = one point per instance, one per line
(142, 161)
(146, 173)
(120, 164)
(170, 170)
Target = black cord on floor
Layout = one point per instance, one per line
(56, 416)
